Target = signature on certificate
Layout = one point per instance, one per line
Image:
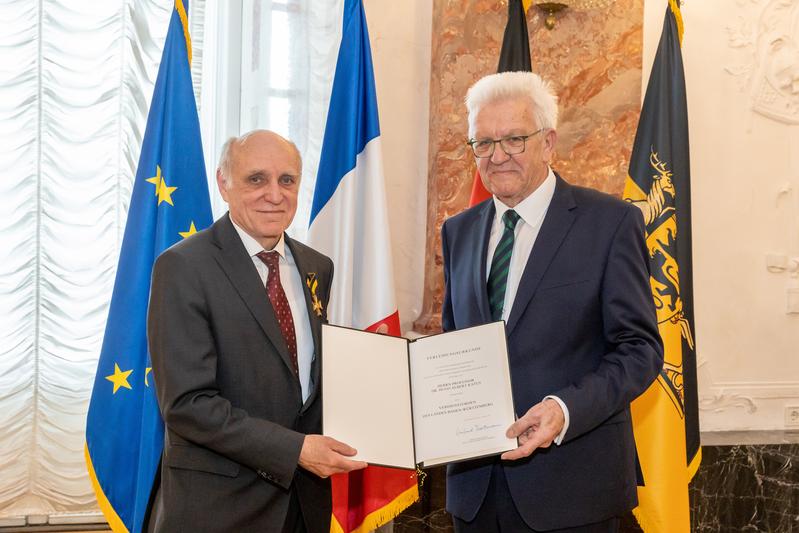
(474, 428)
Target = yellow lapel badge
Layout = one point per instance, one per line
(312, 282)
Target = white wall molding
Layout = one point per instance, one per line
(743, 405)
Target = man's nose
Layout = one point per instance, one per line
(272, 192)
(499, 156)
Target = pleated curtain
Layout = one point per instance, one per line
(76, 79)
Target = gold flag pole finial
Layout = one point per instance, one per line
(675, 8)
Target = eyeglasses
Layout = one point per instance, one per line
(512, 144)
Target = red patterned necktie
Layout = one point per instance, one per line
(277, 296)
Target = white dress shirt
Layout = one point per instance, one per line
(291, 281)
(532, 211)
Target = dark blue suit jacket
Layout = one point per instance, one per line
(582, 327)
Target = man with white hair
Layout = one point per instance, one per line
(567, 269)
(234, 332)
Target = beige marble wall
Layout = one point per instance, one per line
(592, 58)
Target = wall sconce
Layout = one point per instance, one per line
(550, 9)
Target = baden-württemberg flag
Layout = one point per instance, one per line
(349, 223)
(665, 417)
(124, 431)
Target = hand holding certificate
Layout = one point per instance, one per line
(434, 400)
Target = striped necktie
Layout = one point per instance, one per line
(500, 265)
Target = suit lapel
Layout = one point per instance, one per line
(237, 265)
(304, 267)
(557, 222)
(486, 218)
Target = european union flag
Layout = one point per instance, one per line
(124, 431)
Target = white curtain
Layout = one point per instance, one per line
(76, 79)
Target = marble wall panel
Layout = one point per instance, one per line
(751, 488)
(592, 58)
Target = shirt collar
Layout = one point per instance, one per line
(253, 247)
(532, 208)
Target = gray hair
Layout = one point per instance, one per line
(506, 85)
(226, 156)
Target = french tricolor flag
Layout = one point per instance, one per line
(349, 223)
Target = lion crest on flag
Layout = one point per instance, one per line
(660, 217)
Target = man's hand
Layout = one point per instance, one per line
(536, 429)
(325, 456)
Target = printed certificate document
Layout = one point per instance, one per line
(428, 401)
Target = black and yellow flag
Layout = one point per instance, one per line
(665, 417)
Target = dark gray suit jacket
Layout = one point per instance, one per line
(233, 410)
(582, 327)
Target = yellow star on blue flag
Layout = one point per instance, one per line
(119, 378)
(192, 230)
(162, 190)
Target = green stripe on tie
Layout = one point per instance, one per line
(500, 265)
(503, 248)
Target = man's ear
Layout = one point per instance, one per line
(220, 182)
(550, 139)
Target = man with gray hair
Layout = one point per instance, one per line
(567, 269)
(234, 332)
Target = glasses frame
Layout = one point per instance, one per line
(472, 142)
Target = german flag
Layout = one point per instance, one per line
(665, 417)
(514, 56)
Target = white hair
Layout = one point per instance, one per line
(509, 85)
(226, 156)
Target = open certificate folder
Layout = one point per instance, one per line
(429, 401)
